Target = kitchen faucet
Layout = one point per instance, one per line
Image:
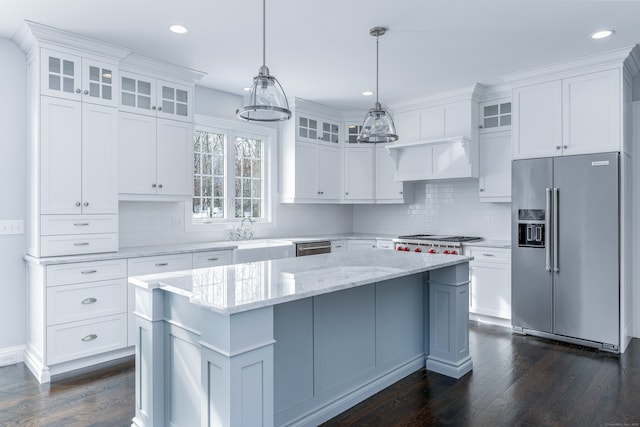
(240, 233)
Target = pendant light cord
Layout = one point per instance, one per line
(377, 65)
(264, 32)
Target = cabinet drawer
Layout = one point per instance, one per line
(84, 301)
(487, 254)
(212, 258)
(385, 244)
(85, 338)
(338, 245)
(78, 244)
(159, 264)
(80, 272)
(53, 225)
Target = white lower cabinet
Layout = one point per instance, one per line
(338, 245)
(490, 288)
(384, 244)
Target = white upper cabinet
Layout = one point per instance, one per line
(495, 116)
(155, 97)
(155, 159)
(359, 173)
(495, 167)
(78, 78)
(574, 115)
(388, 190)
(313, 128)
(591, 113)
(537, 124)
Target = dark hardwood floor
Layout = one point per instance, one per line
(516, 381)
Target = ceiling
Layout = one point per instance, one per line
(322, 50)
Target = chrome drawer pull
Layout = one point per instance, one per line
(88, 301)
(88, 271)
(161, 264)
(81, 224)
(81, 244)
(488, 255)
(212, 259)
(90, 337)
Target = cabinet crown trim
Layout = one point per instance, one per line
(160, 69)
(31, 34)
(465, 93)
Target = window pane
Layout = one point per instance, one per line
(208, 184)
(196, 186)
(128, 84)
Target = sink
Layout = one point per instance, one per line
(262, 250)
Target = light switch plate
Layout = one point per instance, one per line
(12, 227)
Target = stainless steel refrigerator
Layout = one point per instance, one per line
(566, 248)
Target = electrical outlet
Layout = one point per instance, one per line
(12, 227)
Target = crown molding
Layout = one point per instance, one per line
(160, 69)
(465, 93)
(632, 63)
(32, 34)
(612, 59)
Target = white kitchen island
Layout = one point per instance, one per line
(294, 341)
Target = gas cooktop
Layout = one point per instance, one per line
(440, 238)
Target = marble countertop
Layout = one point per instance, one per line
(241, 287)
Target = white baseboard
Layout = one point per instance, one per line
(11, 355)
(480, 318)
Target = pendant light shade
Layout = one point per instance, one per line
(378, 125)
(267, 101)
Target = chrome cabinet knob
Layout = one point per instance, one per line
(77, 90)
(153, 186)
(159, 108)
(86, 204)
(153, 108)
(346, 194)
(159, 185)
(77, 204)
(558, 147)
(86, 92)
(565, 146)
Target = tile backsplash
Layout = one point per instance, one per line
(438, 207)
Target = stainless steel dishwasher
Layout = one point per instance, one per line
(313, 248)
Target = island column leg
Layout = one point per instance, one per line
(237, 368)
(150, 369)
(448, 352)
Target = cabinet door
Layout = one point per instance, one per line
(308, 128)
(136, 154)
(99, 83)
(174, 100)
(99, 159)
(591, 113)
(537, 120)
(307, 170)
(353, 245)
(60, 157)
(329, 131)
(490, 290)
(137, 94)
(330, 172)
(358, 173)
(387, 188)
(495, 167)
(60, 75)
(174, 157)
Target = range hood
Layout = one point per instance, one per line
(440, 158)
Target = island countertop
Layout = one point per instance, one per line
(241, 287)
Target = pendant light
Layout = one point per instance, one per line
(378, 125)
(267, 101)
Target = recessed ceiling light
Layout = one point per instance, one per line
(602, 34)
(178, 29)
(367, 93)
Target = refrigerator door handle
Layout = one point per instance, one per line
(556, 232)
(547, 222)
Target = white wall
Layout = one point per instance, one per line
(438, 207)
(151, 223)
(13, 190)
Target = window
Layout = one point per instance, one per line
(231, 166)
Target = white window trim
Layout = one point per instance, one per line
(270, 168)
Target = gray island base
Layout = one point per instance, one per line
(294, 342)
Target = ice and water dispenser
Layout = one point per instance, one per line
(531, 228)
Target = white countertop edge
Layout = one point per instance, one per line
(156, 281)
(503, 244)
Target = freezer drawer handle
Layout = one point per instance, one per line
(89, 301)
(89, 337)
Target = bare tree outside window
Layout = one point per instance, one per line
(248, 178)
(208, 175)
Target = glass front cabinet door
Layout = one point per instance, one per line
(81, 79)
